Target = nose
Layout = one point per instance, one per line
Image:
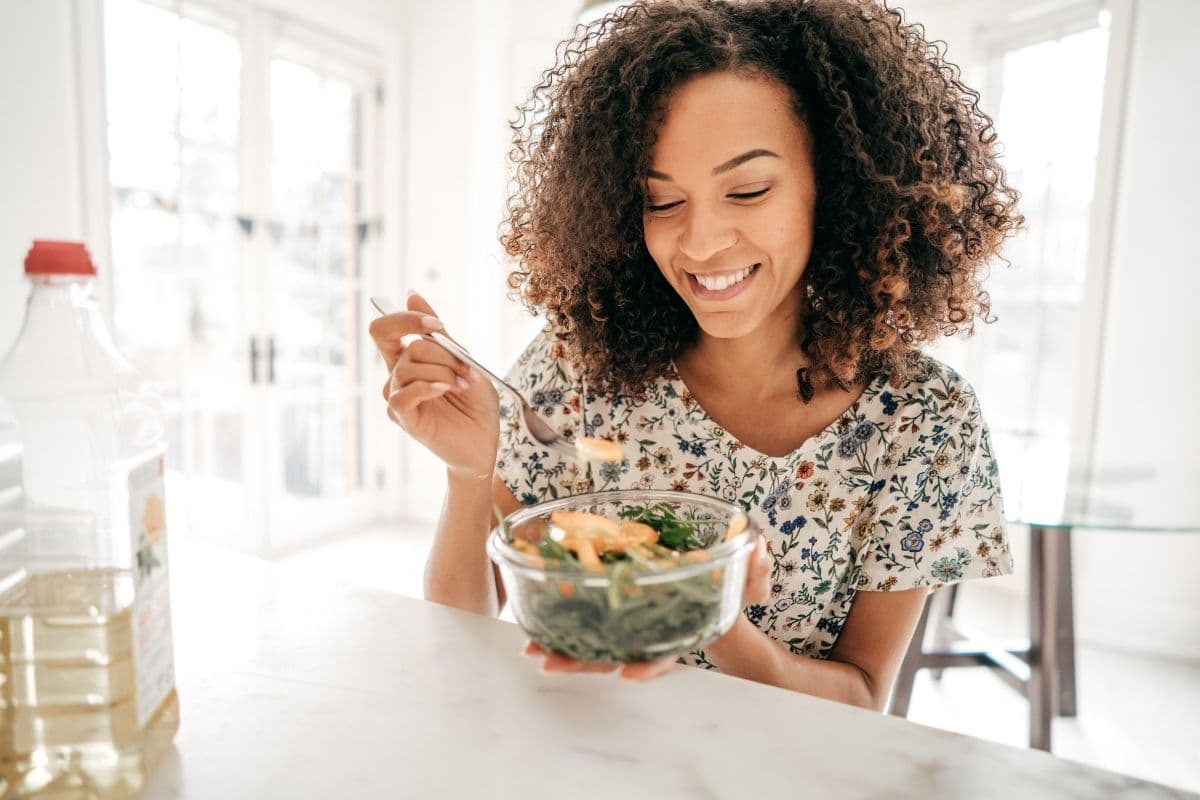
(705, 234)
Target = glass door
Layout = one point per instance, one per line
(322, 237)
(243, 237)
(181, 293)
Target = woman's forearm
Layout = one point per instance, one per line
(458, 572)
(749, 653)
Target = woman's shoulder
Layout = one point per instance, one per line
(544, 360)
(540, 348)
(548, 356)
(932, 389)
(927, 371)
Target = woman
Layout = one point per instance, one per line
(742, 220)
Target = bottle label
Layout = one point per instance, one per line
(153, 647)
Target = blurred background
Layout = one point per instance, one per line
(247, 172)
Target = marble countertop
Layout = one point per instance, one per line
(296, 688)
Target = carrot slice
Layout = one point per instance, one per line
(583, 524)
(587, 556)
(592, 449)
(635, 533)
(736, 526)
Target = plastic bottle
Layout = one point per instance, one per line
(12, 494)
(88, 699)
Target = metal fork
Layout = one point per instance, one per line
(537, 427)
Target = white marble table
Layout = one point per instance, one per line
(294, 688)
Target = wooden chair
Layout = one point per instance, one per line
(1041, 669)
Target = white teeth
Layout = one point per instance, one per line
(723, 281)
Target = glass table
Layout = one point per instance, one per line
(1043, 668)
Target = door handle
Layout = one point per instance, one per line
(270, 359)
(253, 359)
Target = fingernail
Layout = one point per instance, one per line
(462, 384)
(476, 375)
(411, 292)
(432, 324)
(439, 386)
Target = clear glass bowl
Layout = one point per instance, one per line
(630, 611)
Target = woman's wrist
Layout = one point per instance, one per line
(740, 640)
(468, 479)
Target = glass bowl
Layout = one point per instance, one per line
(644, 604)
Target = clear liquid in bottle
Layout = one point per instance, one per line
(71, 728)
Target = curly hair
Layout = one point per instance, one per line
(911, 199)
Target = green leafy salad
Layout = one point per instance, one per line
(631, 616)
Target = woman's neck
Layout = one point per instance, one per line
(759, 365)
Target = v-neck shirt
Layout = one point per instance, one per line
(901, 491)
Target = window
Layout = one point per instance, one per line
(243, 239)
(1045, 89)
(173, 97)
(316, 197)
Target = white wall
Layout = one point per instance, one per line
(40, 178)
(471, 63)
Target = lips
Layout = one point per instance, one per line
(721, 285)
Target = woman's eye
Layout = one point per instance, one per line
(751, 195)
(736, 196)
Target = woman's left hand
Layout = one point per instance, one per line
(758, 575)
(756, 590)
(556, 662)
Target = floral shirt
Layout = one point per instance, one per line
(902, 491)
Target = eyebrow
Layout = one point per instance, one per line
(736, 161)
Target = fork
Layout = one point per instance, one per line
(537, 427)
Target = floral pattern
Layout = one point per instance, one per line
(902, 491)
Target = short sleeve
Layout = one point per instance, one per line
(940, 515)
(532, 472)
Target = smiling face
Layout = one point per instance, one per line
(730, 202)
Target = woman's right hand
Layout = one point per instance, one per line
(438, 400)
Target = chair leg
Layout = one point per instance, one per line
(902, 689)
(1043, 626)
(1066, 629)
(941, 636)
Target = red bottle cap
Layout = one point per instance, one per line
(48, 257)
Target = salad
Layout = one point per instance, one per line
(613, 590)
